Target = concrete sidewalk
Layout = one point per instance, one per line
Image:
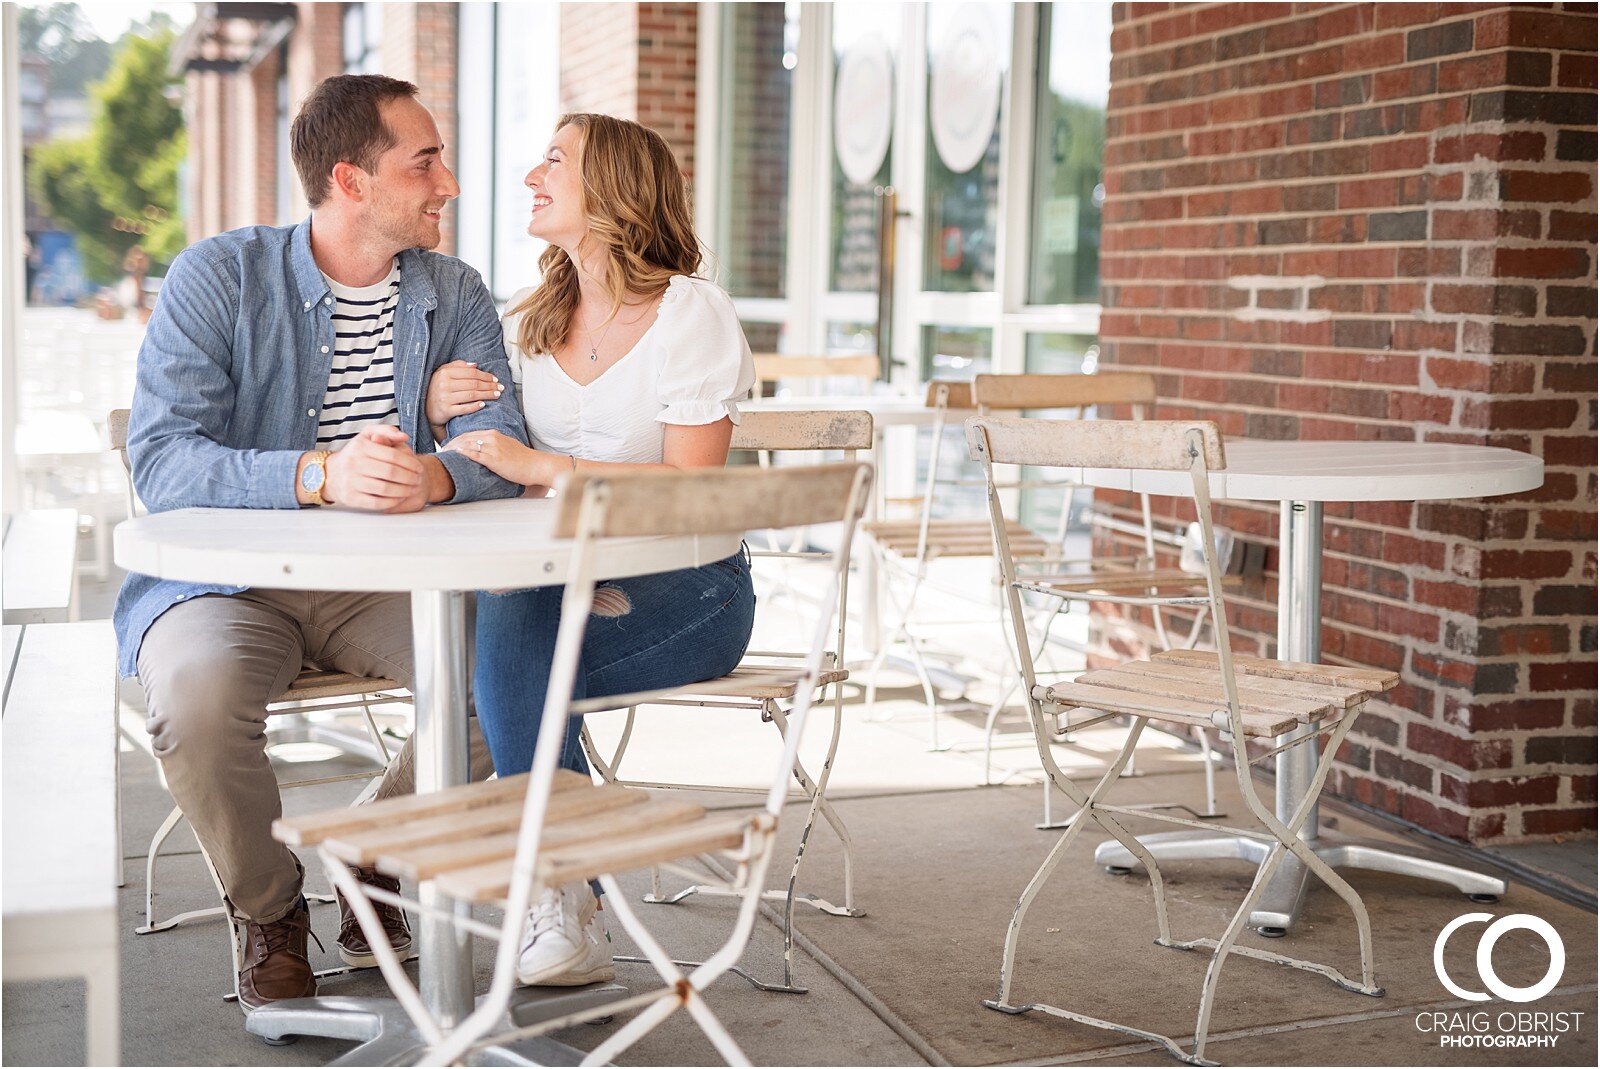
(941, 860)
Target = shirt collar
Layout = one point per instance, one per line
(416, 288)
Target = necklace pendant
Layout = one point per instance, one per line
(593, 355)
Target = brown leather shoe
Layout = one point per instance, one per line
(276, 966)
(354, 949)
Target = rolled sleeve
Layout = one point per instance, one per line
(481, 342)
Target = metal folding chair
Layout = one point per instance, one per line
(500, 843)
(1136, 580)
(802, 433)
(1242, 697)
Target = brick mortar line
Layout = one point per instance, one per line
(1303, 16)
(1404, 65)
(1372, 280)
(1492, 358)
(1428, 170)
(1394, 388)
(1340, 110)
(1314, 80)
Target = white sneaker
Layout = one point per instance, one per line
(565, 943)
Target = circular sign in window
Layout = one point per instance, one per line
(964, 90)
(863, 106)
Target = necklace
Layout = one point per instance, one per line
(594, 347)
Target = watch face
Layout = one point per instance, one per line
(311, 478)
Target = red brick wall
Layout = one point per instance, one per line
(1416, 183)
(419, 46)
(636, 61)
(316, 51)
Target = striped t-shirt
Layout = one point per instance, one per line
(361, 382)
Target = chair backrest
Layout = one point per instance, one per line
(847, 431)
(117, 431)
(950, 394)
(770, 367)
(706, 501)
(1001, 393)
(1160, 444)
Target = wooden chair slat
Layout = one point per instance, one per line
(1130, 580)
(957, 394)
(426, 862)
(1251, 699)
(1155, 707)
(319, 684)
(1035, 392)
(704, 501)
(313, 828)
(807, 431)
(773, 366)
(1340, 694)
(490, 881)
(365, 847)
(1369, 679)
(1161, 445)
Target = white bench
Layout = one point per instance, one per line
(41, 567)
(60, 869)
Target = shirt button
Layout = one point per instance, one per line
(311, 411)
(327, 300)
(308, 304)
(324, 348)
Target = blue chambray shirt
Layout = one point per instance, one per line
(233, 370)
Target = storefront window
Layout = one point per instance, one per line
(1069, 143)
(759, 44)
(969, 46)
(865, 40)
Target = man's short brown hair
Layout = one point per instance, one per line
(342, 122)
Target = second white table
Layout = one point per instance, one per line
(1302, 476)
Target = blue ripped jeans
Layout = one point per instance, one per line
(668, 630)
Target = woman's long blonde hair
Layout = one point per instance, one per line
(637, 205)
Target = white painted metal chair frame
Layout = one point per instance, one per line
(606, 506)
(1200, 441)
(1138, 391)
(766, 433)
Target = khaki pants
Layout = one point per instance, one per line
(210, 666)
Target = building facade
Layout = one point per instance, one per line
(1367, 221)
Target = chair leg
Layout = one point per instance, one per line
(817, 792)
(1075, 825)
(681, 990)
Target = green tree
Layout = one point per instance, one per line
(118, 186)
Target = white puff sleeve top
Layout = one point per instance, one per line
(691, 367)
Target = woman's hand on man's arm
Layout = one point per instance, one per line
(458, 389)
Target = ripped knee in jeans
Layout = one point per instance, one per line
(610, 601)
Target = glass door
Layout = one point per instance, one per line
(913, 184)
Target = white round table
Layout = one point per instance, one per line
(1302, 476)
(437, 556)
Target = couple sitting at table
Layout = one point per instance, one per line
(339, 362)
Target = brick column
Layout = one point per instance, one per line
(635, 61)
(419, 46)
(1377, 221)
(316, 51)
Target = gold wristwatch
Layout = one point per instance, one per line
(314, 476)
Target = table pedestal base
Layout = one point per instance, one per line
(387, 1036)
(1280, 902)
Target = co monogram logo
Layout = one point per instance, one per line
(1558, 957)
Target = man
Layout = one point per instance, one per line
(286, 367)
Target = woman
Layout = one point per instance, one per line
(625, 361)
